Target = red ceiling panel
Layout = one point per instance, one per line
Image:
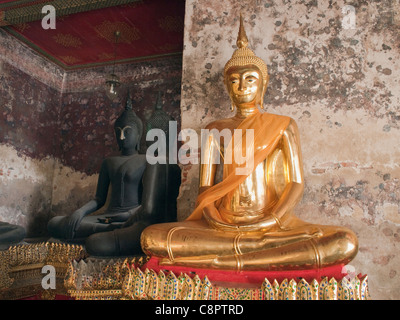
(15, 2)
(149, 29)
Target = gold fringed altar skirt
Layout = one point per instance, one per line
(21, 269)
(83, 278)
(123, 279)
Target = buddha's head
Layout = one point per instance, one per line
(128, 130)
(245, 74)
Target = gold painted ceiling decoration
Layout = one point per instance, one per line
(67, 40)
(107, 30)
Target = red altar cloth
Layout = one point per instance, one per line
(248, 277)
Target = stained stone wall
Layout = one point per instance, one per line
(340, 82)
(29, 118)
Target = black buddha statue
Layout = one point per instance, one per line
(159, 120)
(138, 198)
(10, 234)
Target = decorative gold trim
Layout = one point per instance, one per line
(169, 237)
(317, 254)
(5, 280)
(236, 243)
(86, 281)
(124, 279)
(21, 267)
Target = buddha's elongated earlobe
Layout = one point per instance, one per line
(232, 107)
(264, 89)
(138, 145)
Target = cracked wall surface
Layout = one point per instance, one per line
(340, 84)
(29, 108)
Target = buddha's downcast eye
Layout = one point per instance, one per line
(234, 80)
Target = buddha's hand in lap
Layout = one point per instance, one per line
(214, 219)
(268, 224)
(72, 223)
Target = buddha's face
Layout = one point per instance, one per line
(127, 136)
(244, 84)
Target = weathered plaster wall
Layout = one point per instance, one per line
(29, 109)
(342, 88)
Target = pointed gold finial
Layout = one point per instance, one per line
(243, 56)
(242, 40)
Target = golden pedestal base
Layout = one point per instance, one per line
(120, 279)
(124, 279)
(21, 269)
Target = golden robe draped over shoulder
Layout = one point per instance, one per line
(268, 130)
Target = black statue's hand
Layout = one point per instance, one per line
(72, 223)
(121, 217)
(106, 220)
(135, 215)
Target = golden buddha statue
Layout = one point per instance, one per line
(246, 222)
